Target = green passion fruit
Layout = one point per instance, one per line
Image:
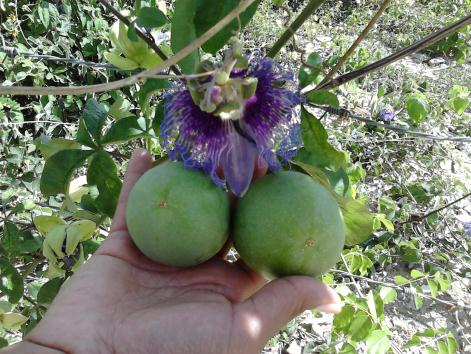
(177, 216)
(288, 224)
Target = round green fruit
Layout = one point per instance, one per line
(288, 224)
(177, 216)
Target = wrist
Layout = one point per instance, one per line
(28, 347)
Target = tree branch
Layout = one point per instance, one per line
(423, 43)
(312, 6)
(147, 38)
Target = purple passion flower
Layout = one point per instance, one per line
(260, 125)
(386, 114)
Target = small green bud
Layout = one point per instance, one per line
(249, 87)
(222, 77)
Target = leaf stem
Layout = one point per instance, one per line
(312, 6)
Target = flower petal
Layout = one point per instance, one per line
(193, 136)
(238, 163)
(267, 117)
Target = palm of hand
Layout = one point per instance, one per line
(121, 302)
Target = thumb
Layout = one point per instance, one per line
(268, 310)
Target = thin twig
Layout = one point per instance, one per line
(423, 43)
(147, 38)
(355, 44)
(312, 6)
(417, 219)
(80, 90)
(342, 112)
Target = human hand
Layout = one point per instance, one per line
(122, 302)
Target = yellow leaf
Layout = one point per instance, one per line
(44, 223)
(55, 271)
(78, 231)
(12, 320)
(49, 253)
(55, 239)
(149, 60)
(120, 62)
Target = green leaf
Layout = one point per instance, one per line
(15, 241)
(209, 12)
(375, 304)
(131, 32)
(416, 274)
(400, 280)
(433, 286)
(316, 173)
(428, 332)
(452, 344)
(343, 319)
(347, 348)
(78, 231)
(377, 342)
(151, 17)
(146, 91)
(10, 239)
(442, 347)
(83, 136)
(310, 73)
(59, 168)
(102, 173)
(358, 221)
(52, 146)
(49, 290)
(158, 117)
(444, 282)
(94, 116)
(414, 341)
(317, 150)
(388, 294)
(430, 350)
(410, 254)
(324, 98)
(460, 104)
(184, 33)
(417, 107)
(43, 13)
(360, 327)
(11, 282)
(418, 301)
(120, 107)
(3, 343)
(125, 129)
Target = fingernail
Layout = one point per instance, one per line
(330, 308)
